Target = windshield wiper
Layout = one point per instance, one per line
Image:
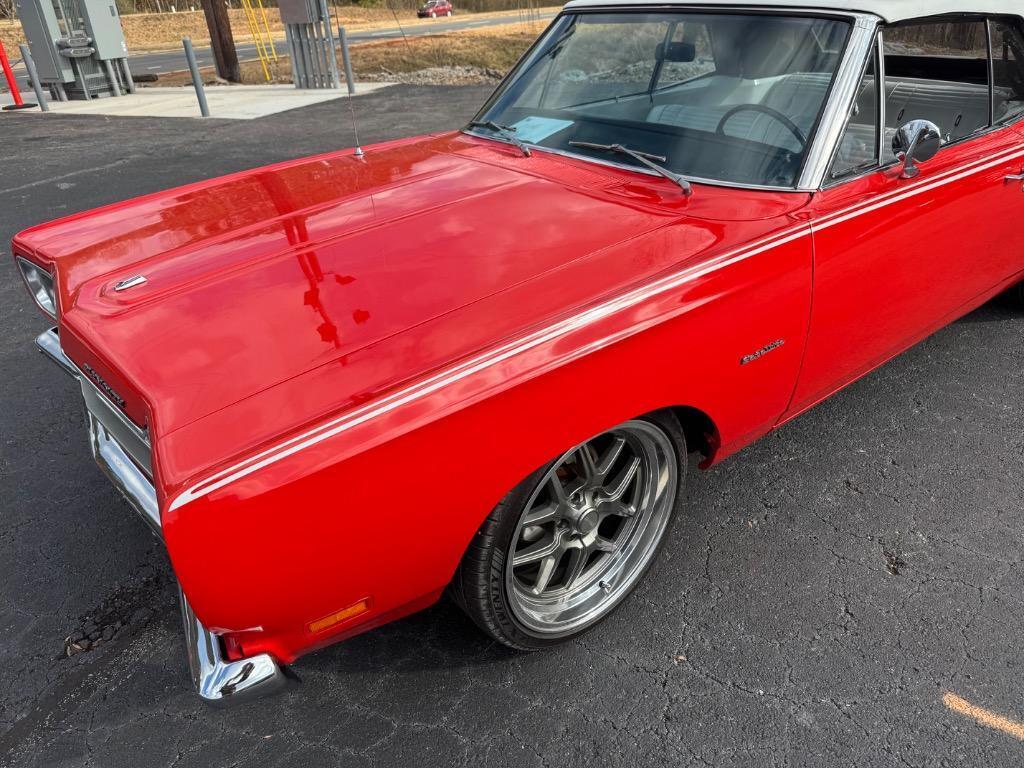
(505, 131)
(644, 158)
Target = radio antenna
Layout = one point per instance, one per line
(355, 122)
(351, 106)
(351, 81)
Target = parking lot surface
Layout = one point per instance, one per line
(829, 598)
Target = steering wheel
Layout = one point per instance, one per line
(773, 113)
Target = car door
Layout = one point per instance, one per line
(896, 258)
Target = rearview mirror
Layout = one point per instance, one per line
(916, 142)
(683, 53)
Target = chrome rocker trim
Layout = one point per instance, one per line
(218, 681)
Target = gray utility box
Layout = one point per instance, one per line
(42, 30)
(78, 46)
(103, 25)
(299, 11)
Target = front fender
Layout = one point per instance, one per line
(378, 504)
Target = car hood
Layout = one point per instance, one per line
(414, 254)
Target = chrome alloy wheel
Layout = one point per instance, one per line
(590, 527)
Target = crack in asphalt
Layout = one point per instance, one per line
(64, 176)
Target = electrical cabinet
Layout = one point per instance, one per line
(78, 46)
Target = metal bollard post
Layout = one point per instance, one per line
(30, 65)
(197, 81)
(129, 83)
(346, 60)
(112, 77)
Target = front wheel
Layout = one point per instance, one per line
(567, 544)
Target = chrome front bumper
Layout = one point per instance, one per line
(218, 681)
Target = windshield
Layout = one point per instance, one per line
(722, 97)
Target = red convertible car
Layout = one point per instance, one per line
(671, 229)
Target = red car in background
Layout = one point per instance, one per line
(435, 8)
(476, 361)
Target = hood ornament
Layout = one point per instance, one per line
(131, 282)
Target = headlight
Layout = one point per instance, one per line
(40, 285)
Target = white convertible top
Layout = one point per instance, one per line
(887, 10)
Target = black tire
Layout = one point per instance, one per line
(1017, 295)
(480, 587)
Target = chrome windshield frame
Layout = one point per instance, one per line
(835, 111)
(839, 103)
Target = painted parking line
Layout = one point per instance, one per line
(984, 716)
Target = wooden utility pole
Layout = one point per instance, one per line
(221, 40)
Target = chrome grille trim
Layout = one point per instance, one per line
(124, 474)
(132, 440)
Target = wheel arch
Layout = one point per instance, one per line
(699, 429)
(701, 432)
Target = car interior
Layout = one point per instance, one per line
(738, 98)
(749, 113)
(772, 65)
(946, 86)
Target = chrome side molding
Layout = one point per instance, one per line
(218, 681)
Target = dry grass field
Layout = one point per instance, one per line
(495, 49)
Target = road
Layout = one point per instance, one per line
(159, 62)
(847, 592)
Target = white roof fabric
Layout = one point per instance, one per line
(888, 10)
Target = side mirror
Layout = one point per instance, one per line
(916, 142)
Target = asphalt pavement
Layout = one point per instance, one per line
(832, 595)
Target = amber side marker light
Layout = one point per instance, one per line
(338, 616)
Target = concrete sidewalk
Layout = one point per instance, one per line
(233, 102)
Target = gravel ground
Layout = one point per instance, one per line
(823, 592)
(448, 75)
